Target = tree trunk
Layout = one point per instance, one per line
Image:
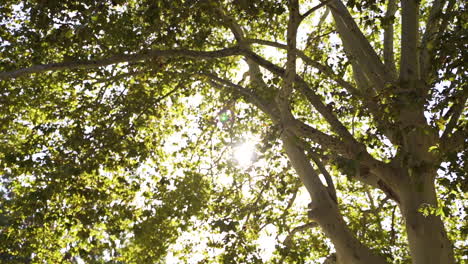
(427, 237)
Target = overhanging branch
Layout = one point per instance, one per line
(248, 94)
(121, 58)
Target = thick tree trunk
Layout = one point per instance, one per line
(427, 237)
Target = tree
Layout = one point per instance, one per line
(117, 117)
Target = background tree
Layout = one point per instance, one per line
(118, 119)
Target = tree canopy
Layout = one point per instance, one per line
(236, 131)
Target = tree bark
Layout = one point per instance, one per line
(325, 211)
(427, 237)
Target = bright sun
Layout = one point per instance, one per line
(244, 154)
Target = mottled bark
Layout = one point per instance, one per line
(427, 237)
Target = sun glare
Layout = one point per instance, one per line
(244, 154)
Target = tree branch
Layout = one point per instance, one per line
(446, 19)
(427, 41)
(358, 47)
(289, 74)
(374, 208)
(141, 56)
(326, 112)
(325, 69)
(303, 130)
(301, 164)
(299, 128)
(231, 23)
(456, 141)
(351, 148)
(313, 9)
(248, 94)
(323, 210)
(119, 77)
(364, 173)
(435, 28)
(328, 178)
(256, 78)
(366, 99)
(409, 61)
(313, 98)
(389, 59)
(456, 111)
(288, 240)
